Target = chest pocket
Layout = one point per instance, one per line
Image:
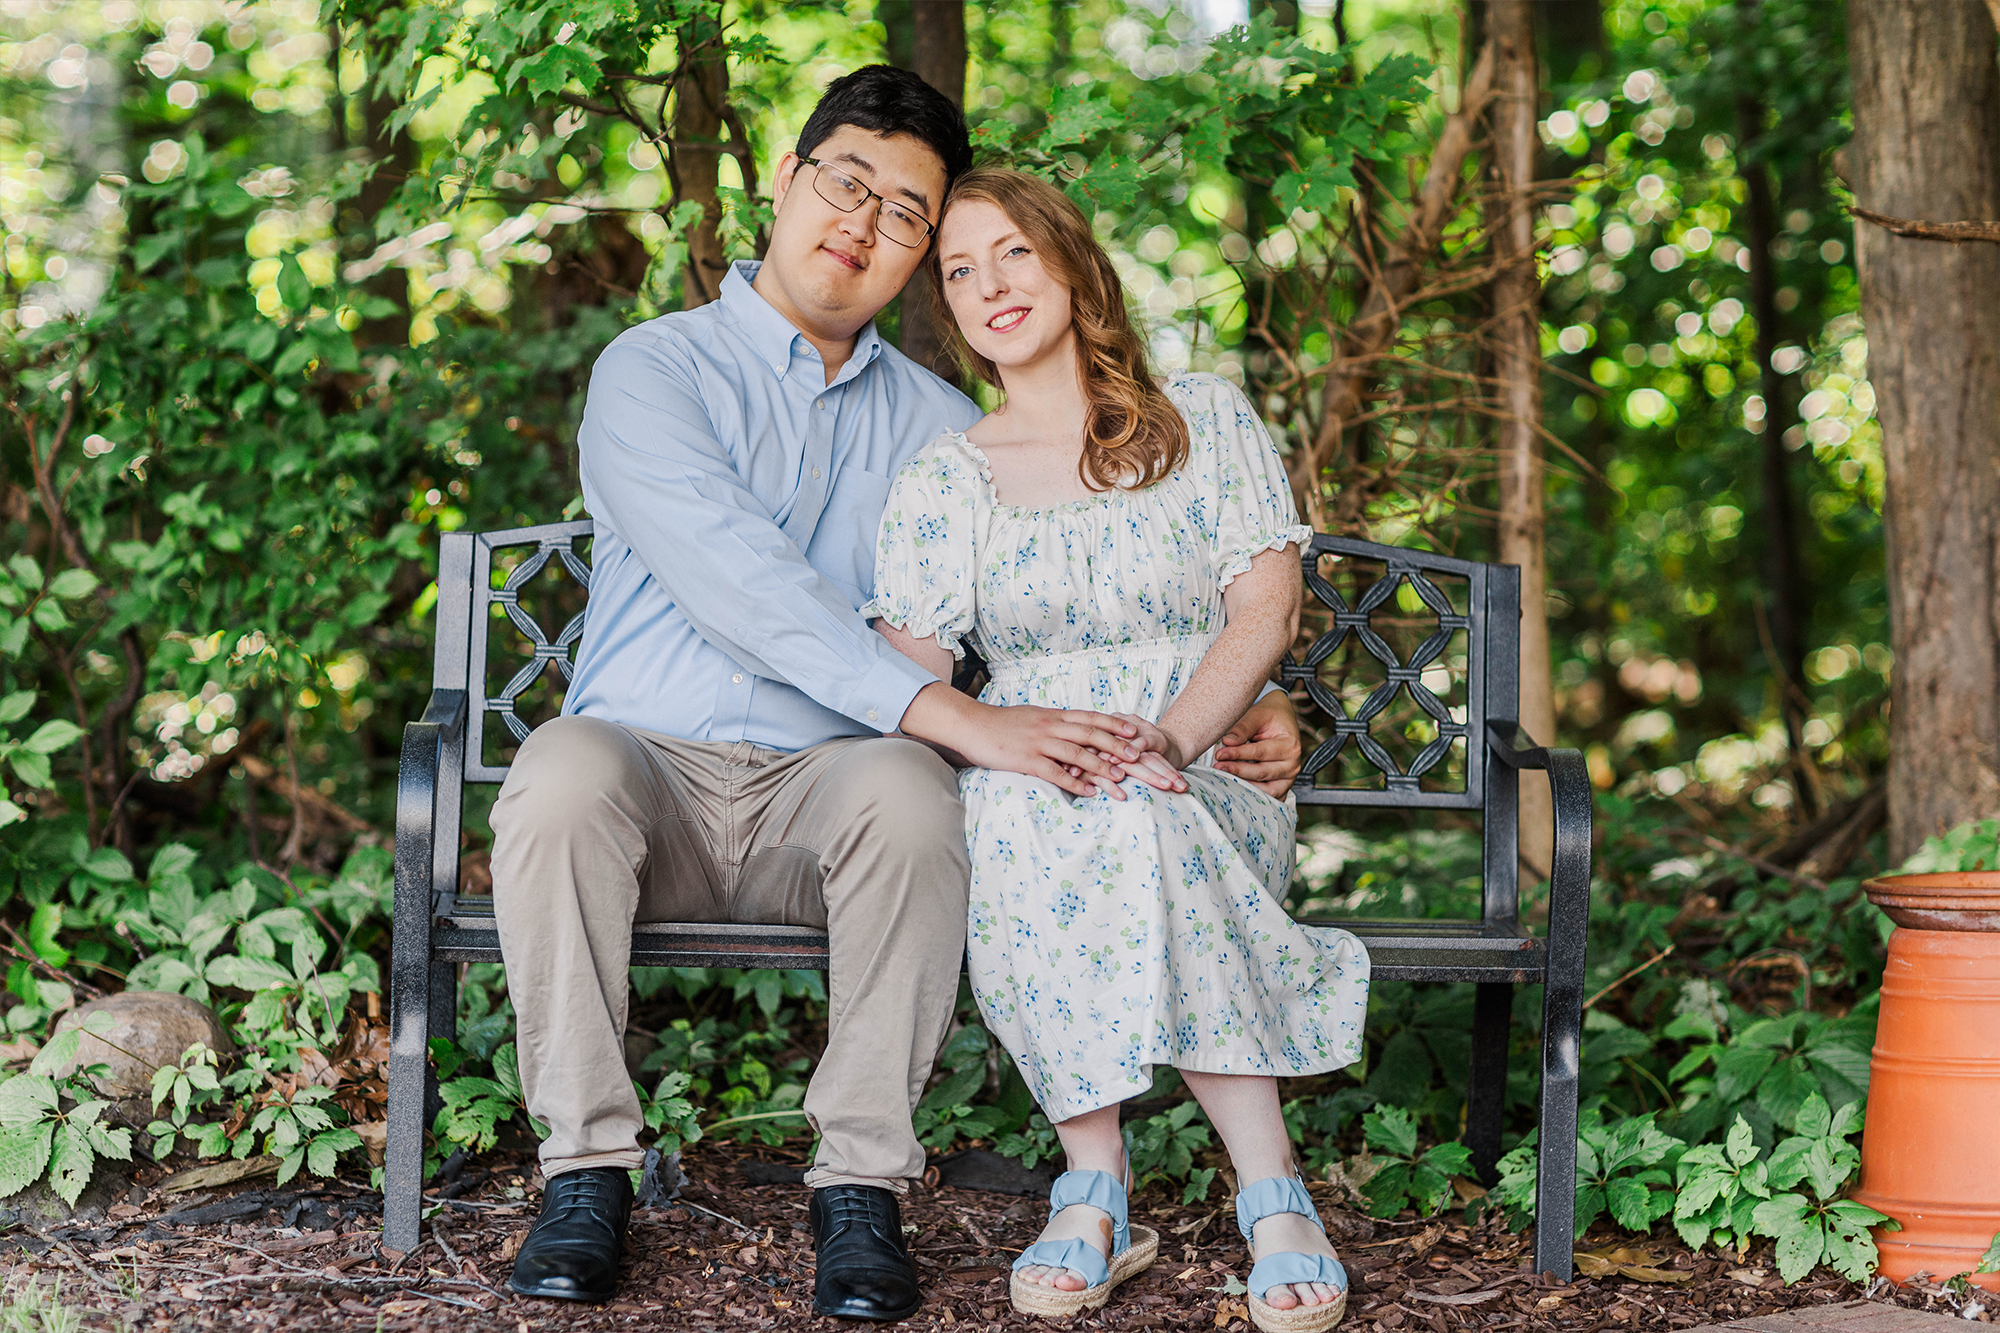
(843, 546)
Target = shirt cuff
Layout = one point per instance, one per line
(1270, 687)
(886, 692)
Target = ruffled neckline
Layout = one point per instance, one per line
(1088, 504)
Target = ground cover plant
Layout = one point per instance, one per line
(284, 303)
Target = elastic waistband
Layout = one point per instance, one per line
(1189, 647)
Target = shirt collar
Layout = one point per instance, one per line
(775, 339)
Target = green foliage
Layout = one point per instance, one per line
(38, 1132)
(1815, 1225)
(1163, 1147)
(1403, 1177)
(946, 1113)
(1989, 1262)
(1974, 846)
(1034, 1143)
(1719, 1186)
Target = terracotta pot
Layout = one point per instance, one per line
(1954, 900)
(1930, 1152)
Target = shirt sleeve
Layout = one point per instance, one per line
(927, 546)
(653, 467)
(1254, 508)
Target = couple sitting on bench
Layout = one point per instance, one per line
(1105, 831)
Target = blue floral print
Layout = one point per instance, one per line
(1107, 937)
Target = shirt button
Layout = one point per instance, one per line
(815, 474)
(736, 679)
(871, 715)
(820, 405)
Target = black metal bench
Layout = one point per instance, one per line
(1468, 761)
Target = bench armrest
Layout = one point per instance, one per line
(1562, 996)
(417, 774)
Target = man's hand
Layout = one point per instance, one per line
(1263, 747)
(1077, 750)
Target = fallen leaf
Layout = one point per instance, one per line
(289, 1244)
(1551, 1302)
(1749, 1277)
(1627, 1261)
(1464, 1298)
(1230, 1309)
(1467, 1190)
(222, 1173)
(1424, 1241)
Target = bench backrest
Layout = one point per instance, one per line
(1438, 635)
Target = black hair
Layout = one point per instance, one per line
(885, 100)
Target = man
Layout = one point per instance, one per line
(735, 745)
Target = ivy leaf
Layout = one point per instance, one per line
(1801, 1248)
(24, 1151)
(1741, 1145)
(1391, 1129)
(1989, 1262)
(71, 1163)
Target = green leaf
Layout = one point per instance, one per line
(1076, 115)
(24, 1152)
(42, 928)
(294, 288)
(1390, 1129)
(73, 583)
(16, 705)
(110, 864)
(251, 974)
(71, 1163)
(1741, 1145)
(54, 735)
(32, 769)
(30, 1098)
(1800, 1249)
(1989, 1262)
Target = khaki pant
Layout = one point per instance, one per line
(600, 825)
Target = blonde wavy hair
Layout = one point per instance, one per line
(1133, 435)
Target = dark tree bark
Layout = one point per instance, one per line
(1784, 594)
(1927, 144)
(936, 47)
(694, 164)
(1517, 370)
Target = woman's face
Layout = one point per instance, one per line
(1012, 311)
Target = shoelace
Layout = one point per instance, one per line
(586, 1194)
(863, 1209)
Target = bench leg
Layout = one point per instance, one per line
(409, 1077)
(1555, 1178)
(443, 1023)
(1486, 1095)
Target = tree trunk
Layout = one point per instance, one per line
(1927, 144)
(1779, 538)
(1517, 368)
(937, 56)
(693, 167)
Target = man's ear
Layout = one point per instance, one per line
(781, 183)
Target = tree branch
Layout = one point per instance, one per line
(1954, 232)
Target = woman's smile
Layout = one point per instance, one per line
(1008, 318)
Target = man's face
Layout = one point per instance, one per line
(835, 270)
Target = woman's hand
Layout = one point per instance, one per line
(1074, 749)
(1264, 748)
(1158, 763)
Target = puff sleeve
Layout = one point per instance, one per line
(926, 548)
(1254, 511)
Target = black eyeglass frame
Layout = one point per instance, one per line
(930, 228)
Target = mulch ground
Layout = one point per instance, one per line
(732, 1254)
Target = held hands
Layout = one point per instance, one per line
(1077, 750)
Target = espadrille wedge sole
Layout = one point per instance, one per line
(1298, 1319)
(1033, 1298)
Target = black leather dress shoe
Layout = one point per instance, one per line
(571, 1253)
(864, 1268)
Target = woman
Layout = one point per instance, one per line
(1132, 549)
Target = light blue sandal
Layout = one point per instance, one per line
(1133, 1250)
(1287, 1194)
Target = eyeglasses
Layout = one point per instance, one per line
(893, 220)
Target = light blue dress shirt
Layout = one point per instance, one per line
(736, 496)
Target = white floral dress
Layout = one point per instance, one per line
(1108, 936)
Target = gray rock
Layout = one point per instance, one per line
(148, 1029)
(39, 1206)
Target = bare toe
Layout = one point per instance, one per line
(1280, 1298)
